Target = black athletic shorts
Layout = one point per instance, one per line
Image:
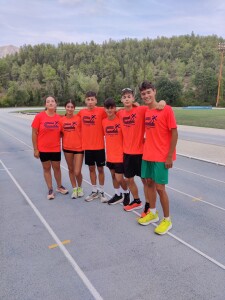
(74, 152)
(52, 156)
(118, 167)
(93, 157)
(132, 165)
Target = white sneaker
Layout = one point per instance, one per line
(74, 194)
(92, 196)
(80, 192)
(102, 197)
(62, 190)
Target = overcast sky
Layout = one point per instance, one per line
(75, 21)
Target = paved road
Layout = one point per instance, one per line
(107, 255)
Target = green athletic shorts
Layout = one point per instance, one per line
(154, 170)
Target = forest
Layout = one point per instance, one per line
(184, 69)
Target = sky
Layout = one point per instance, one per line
(31, 22)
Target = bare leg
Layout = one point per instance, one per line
(101, 175)
(93, 176)
(120, 179)
(57, 172)
(47, 173)
(116, 184)
(70, 163)
(133, 187)
(150, 189)
(161, 189)
(78, 161)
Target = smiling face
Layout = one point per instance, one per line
(90, 102)
(69, 109)
(148, 96)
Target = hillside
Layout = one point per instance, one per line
(5, 50)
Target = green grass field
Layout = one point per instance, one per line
(211, 118)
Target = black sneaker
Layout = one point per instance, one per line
(116, 199)
(126, 200)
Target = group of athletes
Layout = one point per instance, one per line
(137, 140)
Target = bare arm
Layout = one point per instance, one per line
(34, 141)
(161, 104)
(173, 142)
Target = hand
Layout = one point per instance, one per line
(36, 153)
(161, 104)
(135, 104)
(169, 163)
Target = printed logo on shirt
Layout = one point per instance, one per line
(112, 130)
(89, 120)
(51, 125)
(150, 121)
(129, 121)
(69, 126)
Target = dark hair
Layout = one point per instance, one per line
(90, 94)
(70, 101)
(146, 85)
(127, 90)
(109, 102)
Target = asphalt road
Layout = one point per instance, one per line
(71, 249)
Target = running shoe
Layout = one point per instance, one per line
(92, 196)
(126, 199)
(146, 210)
(102, 197)
(133, 205)
(80, 192)
(62, 190)
(163, 227)
(116, 199)
(74, 194)
(149, 218)
(51, 195)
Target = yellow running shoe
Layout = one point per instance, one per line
(149, 218)
(163, 227)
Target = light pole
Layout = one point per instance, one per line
(221, 48)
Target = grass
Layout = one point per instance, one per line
(211, 118)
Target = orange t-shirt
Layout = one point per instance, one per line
(132, 124)
(158, 125)
(92, 135)
(71, 130)
(113, 140)
(48, 138)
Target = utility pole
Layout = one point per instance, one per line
(221, 48)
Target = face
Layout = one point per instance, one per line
(90, 102)
(127, 99)
(50, 103)
(69, 109)
(111, 111)
(148, 96)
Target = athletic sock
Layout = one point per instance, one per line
(94, 188)
(153, 210)
(117, 192)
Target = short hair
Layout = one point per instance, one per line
(70, 101)
(45, 98)
(109, 102)
(146, 85)
(127, 90)
(90, 94)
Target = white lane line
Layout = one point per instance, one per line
(193, 197)
(174, 236)
(201, 159)
(78, 270)
(198, 174)
(16, 138)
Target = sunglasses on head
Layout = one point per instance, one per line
(127, 90)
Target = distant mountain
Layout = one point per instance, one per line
(5, 50)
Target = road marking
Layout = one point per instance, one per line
(78, 270)
(193, 197)
(201, 159)
(16, 138)
(56, 245)
(199, 175)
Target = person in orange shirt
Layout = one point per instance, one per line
(46, 144)
(71, 142)
(92, 138)
(132, 124)
(114, 153)
(158, 156)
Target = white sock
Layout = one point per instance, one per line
(153, 210)
(101, 188)
(94, 188)
(117, 192)
(124, 191)
(167, 218)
